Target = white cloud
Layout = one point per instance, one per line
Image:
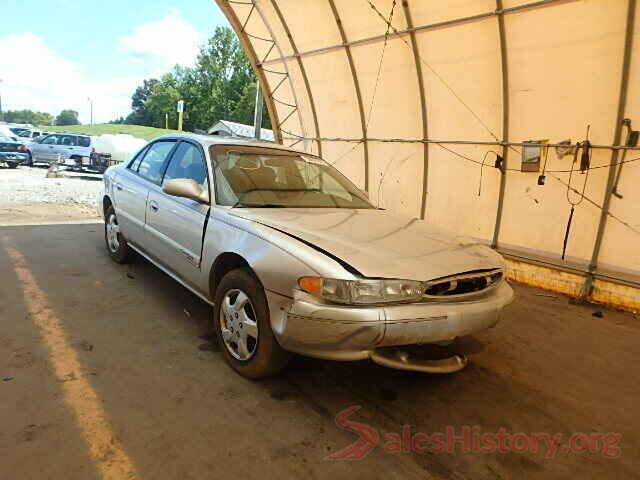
(168, 42)
(36, 77)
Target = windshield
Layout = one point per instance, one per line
(264, 177)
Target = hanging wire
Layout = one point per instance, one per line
(482, 168)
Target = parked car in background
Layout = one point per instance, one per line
(7, 132)
(61, 147)
(11, 152)
(26, 135)
(294, 258)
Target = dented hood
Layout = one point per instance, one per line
(378, 243)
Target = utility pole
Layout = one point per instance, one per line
(257, 114)
(91, 103)
(166, 121)
(180, 114)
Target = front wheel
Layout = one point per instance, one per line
(243, 327)
(117, 245)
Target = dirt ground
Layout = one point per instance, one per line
(45, 213)
(110, 371)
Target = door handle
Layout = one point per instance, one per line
(153, 206)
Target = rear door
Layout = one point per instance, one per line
(132, 187)
(83, 147)
(175, 225)
(67, 145)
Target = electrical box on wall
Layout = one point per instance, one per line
(532, 155)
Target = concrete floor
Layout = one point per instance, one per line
(107, 365)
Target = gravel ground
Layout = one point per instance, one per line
(30, 185)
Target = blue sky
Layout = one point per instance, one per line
(55, 54)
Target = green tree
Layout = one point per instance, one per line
(139, 115)
(221, 86)
(28, 116)
(67, 117)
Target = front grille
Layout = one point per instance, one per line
(465, 284)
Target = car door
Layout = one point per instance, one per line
(46, 150)
(132, 187)
(175, 225)
(67, 146)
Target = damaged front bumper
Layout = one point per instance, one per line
(309, 327)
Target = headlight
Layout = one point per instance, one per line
(362, 292)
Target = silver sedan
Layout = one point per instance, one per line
(295, 258)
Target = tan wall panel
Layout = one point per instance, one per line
(558, 85)
(333, 87)
(427, 13)
(453, 202)
(348, 158)
(337, 109)
(361, 21)
(467, 58)
(470, 65)
(318, 28)
(392, 111)
(396, 173)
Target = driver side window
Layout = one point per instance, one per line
(187, 162)
(51, 140)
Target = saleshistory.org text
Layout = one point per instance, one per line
(468, 439)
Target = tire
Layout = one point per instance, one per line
(117, 245)
(29, 161)
(12, 165)
(262, 355)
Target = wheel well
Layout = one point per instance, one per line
(224, 264)
(106, 203)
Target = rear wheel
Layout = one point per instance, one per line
(12, 165)
(243, 327)
(117, 245)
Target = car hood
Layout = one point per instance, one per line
(378, 243)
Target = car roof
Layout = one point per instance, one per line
(208, 140)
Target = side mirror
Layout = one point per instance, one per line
(186, 188)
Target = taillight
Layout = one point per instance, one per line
(22, 148)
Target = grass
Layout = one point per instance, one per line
(147, 133)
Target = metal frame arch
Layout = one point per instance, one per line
(504, 62)
(303, 71)
(260, 11)
(356, 83)
(257, 66)
(423, 105)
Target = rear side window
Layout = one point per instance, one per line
(151, 165)
(187, 162)
(68, 141)
(135, 163)
(84, 141)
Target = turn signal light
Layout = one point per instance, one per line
(312, 285)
